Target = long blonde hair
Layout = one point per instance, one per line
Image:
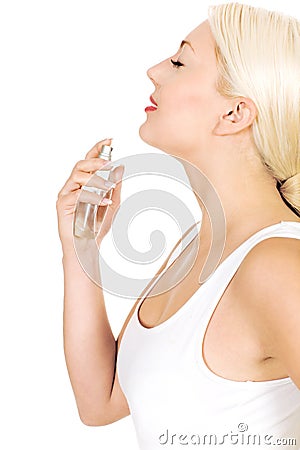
(258, 56)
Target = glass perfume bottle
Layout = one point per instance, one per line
(88, 217)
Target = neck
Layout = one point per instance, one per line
(245, 196)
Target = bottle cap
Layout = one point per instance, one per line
(105, 152)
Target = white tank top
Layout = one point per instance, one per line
(175, 400)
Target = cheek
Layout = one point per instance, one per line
(182, 117)
(173, 127)
(185, 110)
(187, 96)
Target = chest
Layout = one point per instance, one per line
(231, 347)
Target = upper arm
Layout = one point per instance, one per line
(270, 276)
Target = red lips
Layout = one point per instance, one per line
(153, 101)
(151, 108)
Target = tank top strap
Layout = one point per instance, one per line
(225, 272)
(186, 240)
(188, 237)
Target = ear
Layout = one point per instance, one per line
(240, 116)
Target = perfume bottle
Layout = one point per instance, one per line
(87, 216)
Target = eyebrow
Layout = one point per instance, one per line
(187, 43)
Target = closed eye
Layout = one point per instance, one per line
(176, 63)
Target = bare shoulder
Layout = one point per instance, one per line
(271, 270)
(273, 260)
(268, 285)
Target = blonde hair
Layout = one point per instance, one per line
(258, 56)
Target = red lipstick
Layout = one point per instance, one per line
(153, 101)
(151, 108)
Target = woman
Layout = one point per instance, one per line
(223, 359)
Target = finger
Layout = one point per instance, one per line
(96, 180)
(93, 198)
(116, 193)
(100, 183)
(86, 179)
(94, 152)
(69, 186)
(81, 176)
(67, 203)
(91, 165)
(117, 173)
(116, 177)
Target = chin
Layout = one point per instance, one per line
(161, 142)
(147, 136)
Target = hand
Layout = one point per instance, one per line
(72, 189)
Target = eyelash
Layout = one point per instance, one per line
(176, 64)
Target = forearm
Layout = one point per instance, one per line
(89, 344)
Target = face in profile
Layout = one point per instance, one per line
(186, 104)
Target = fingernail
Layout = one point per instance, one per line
(106, 201)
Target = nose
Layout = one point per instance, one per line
(152, 74)
(158, 73)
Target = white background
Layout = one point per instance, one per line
(72, 73)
